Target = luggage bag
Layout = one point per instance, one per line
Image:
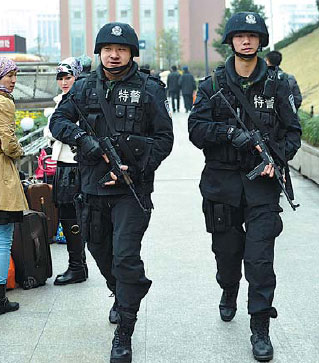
(39, 198)
(31, 250)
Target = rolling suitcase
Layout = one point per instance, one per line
(39, 198)
(31, 250)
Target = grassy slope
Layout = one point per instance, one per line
(302, 60)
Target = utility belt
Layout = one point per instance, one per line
(225, 154)
(91, 214)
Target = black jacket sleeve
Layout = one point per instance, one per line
(161, 126)
(63, 121)
(203, 130)
(288, 115)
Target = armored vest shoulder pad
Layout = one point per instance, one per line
(219, 78)
(157, 80)
(204, 79)
(144, 70)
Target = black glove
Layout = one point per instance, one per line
(90, 147)
(238, 137)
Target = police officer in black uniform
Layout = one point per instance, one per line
(230, 199)
(130, 108)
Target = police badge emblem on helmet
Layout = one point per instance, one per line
(250, 19)
(117, 31)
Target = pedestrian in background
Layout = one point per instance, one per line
(66, 183)
(163, 75)
(127, 108)
(230, 199)
(188, 86)
(12, 198)
(273, 59)
(174, 88)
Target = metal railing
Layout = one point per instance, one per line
(36, 82)
(32, 143)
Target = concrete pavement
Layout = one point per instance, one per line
(179, 319)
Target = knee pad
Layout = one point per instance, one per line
(267, 221)
(128, 269)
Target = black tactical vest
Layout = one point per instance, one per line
(265, 107)
(128, 102)
(265, 110)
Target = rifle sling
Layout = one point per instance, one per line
(254, 117)
(106, 110)
(110, 124)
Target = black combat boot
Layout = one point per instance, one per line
(114, 315)
(5, 305)
(84, 263)
(260, 340)
(76, 270)
(228, 304)
(121, 344)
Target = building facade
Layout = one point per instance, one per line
(49, 36)
(287, 16)
(81, 20)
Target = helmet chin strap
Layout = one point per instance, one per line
(246, 56)
(117, 70)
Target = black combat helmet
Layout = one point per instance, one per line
(246, 22)
(117, 33)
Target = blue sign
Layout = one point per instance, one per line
(142, 44)
(205, 32)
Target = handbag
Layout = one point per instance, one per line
(46, 166)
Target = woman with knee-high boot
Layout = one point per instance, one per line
(12, 199)
(66, 185)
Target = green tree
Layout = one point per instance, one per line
(168, 49)
(317, 2)
(235, 6)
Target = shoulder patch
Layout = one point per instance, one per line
(292, 103)
(166, 103)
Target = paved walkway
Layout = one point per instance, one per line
(179, 320)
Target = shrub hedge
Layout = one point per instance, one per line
(310, 128)
(295, 35)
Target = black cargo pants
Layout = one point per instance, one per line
(113, 227)
(231, 244)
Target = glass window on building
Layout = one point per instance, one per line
(171, 14)
(124, 11)
(77, 27)
(148, 31)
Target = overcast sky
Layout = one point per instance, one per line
(42, 5)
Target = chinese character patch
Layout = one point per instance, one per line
(261, 102)
(128, 96)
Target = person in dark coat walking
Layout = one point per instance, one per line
(273, 59)
(188, 86)
(174, 88)
(124, 111)
(243, 215)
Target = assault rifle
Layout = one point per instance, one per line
(109, 150)
(116, 163)
(257, 139)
